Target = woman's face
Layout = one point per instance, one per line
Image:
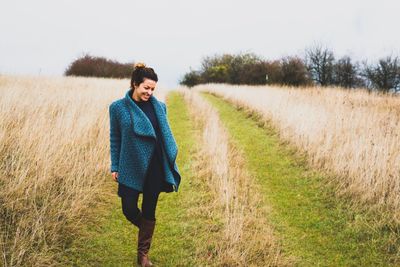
(144, 90)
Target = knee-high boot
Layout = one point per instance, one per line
(146, 231)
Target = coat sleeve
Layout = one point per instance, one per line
(115, 139)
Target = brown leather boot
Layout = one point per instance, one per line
(146, 231)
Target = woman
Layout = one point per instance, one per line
(143, 154)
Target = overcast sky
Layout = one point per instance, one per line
(172, 36)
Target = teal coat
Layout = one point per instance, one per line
(133, 141)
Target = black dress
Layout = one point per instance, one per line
(155, 178)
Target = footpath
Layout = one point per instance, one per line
(180, 234)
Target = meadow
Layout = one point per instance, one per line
(272, 176)
(353, 134)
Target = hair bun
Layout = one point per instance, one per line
(139, 65)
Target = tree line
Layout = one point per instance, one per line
(91, 66)
(319, 66)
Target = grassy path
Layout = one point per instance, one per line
(317, 228)
(111, 240)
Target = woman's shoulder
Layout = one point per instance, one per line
(117, 109)
(117, 104)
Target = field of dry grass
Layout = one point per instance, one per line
(353, 134)
(54, 136)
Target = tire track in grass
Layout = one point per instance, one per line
(316, 227)
(182, 234)
(182, 230)
(243, 235)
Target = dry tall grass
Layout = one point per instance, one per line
(54, 136)
(353, 134)
(247, 239)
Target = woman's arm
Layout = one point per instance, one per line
(115, 139)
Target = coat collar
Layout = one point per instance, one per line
(141, 123)
(143, 127)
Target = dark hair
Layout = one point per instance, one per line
(140, 72)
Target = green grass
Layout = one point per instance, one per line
(316, 227)
(181, 231)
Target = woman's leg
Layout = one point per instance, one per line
(149, 205)
(130, 208)
(151, 191)
(147, 226)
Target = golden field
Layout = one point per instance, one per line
(353, 134)
(54, 137)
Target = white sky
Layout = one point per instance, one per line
(172, 36)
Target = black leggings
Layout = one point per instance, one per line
(130, 196)
(149, 205)
(151, 190)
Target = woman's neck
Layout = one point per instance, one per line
(134, 97)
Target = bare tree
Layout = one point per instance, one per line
(346, 73)
(319, 61)
(385, 75)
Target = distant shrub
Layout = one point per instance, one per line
(273, 72)
(90, 66)
(191, 78)
(294, 72)
(245, 68)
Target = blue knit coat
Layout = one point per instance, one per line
(133, 141)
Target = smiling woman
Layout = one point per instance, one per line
(144, 82)
(143, 154)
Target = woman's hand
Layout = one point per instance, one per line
(115, 176)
